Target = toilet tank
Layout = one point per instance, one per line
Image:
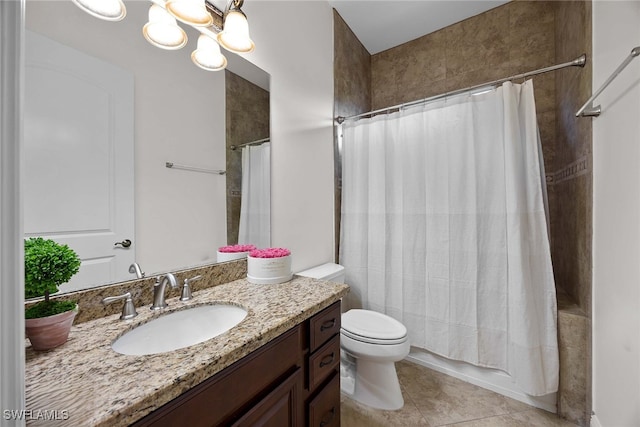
(329, 271)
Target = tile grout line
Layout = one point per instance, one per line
(405, 393)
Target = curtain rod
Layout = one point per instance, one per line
(578, 62)
(257, 142)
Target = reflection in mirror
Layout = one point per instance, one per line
(104, 112)
(248, 163)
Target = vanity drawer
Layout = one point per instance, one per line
(324, 325)
(324, 409)
(324, 361)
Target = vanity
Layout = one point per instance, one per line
(279, 366)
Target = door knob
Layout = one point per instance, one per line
(125, 243)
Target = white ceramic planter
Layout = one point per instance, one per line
(230, 256)
(269, 271)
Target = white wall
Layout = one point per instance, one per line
(616, 217)
(179, 117)
(294, 43)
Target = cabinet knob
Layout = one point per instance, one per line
(328, 417)
(327, 360)
(328, 325)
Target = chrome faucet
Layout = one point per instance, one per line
(135, 269)
(159, 290)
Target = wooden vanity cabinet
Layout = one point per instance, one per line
(291, 381)
(322, 391)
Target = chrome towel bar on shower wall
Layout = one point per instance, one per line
(588, 110)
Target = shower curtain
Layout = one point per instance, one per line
(255, 202)
(444, 228)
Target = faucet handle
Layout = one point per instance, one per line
(186, 289)
(128, 309)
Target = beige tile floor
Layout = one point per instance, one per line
(434, 399)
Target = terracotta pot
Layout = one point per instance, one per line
(49, 332)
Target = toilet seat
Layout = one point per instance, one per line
(372, 327)
(369, 340)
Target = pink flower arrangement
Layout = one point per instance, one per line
(236, 248)
(270, 253)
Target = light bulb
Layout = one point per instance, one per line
(192, 12)
(108, 10)
(235, 34)
(163, 31)
(207, 55)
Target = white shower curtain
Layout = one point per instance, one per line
(444, 228)
(255, 203)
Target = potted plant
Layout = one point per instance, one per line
(47, 265)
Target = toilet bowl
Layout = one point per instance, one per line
(370, 344)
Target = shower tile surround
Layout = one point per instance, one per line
(571, 206)
(516, 37)
(352, 92)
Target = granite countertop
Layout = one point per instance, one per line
(85, 383)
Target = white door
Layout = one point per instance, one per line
(78, 158)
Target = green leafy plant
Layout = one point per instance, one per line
(47, 265)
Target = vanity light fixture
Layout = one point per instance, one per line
(109, 10)
(162, 30)
(191, 12)
(207, 56)
(228, 29)
(235, 33)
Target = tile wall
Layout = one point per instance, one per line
(352, 92)
(571, 205)
(508, 40)
(572, 179)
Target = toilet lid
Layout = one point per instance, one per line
(370, 325)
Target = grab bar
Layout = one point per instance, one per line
(595, 111)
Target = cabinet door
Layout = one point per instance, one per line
(225, 396)
(280, 408)
(324, 409)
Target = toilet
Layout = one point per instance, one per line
(370, 344)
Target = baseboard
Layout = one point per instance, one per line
(594, 421)
(490, 379)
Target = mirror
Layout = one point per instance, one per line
(136, 109)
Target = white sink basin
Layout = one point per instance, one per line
(179, 329)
